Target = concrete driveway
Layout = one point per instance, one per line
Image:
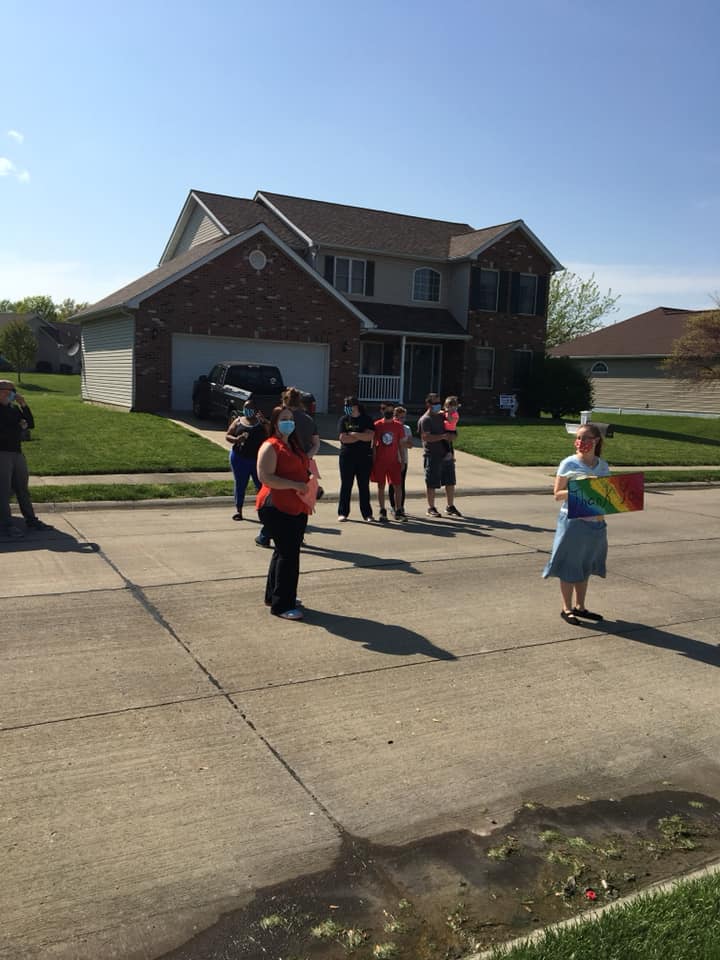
(167, 747)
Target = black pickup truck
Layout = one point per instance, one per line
(223, 392)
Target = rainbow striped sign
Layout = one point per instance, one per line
(596, 496)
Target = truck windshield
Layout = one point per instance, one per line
(255, 379)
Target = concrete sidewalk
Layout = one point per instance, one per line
(167, 748)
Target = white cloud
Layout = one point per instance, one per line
(59, 278)
(643, 287)
(7, 167)
(16, 135)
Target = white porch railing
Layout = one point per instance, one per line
(379, 388)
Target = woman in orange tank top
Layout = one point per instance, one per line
(283, 471)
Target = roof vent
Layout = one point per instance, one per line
(258, 260)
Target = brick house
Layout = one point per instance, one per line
(343, 299)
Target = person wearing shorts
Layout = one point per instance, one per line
(387, 467)
(437, 457)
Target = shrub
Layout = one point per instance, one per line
(558, 387)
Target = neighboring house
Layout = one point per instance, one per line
(624, 360)
(343, 299)
(58, 349)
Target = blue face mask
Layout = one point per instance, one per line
(348, 410)
(11, 396)
(436, 407)
(248, 412)
(286, 427)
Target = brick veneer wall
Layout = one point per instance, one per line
(503, 330)
(228, 298)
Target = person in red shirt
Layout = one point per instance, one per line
(387, 466)
(283, 470)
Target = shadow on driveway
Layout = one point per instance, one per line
(653, 637)
(53, 539)
(378, 637)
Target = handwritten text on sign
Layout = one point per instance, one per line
(596, 496)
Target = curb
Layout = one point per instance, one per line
(70, 505)
(664, 886)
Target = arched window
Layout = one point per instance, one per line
(599, 367)
(426, 285)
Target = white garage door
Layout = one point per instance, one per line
(304, 365)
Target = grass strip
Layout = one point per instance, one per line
(129, 491)
(681, 924)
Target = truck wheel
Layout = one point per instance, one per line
(200, 410)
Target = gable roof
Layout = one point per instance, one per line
(132, 295)
(649, 334)
(361, 228)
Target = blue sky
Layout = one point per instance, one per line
(595, 122)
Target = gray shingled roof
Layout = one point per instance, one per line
(238, 215)
(358, 228)
(649, 334)
(149, 280)
(390, 316)
(467, 243)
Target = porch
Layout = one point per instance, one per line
(403, 369)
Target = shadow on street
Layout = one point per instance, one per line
(378, 637)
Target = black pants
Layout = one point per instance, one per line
(284, 571)
(352, 469)
(403, 475)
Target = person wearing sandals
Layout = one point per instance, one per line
(580, 546)
(283, 471)
(246, 433)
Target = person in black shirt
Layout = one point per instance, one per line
(15, 416)
(356, 432)
(247, 434)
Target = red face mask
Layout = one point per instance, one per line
(585, 445)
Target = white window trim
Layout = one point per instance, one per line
(497, 288)
(424, 299)
(600, 363)
(491, 386)
(534, 303)
(350, 261)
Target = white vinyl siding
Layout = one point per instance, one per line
(107, 352)
(655, 393)
(303, 365)
(199, 228)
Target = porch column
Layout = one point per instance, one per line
(402, 371)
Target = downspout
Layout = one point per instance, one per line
(402, 370)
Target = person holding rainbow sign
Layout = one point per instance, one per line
(580, 546)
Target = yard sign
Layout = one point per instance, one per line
(596, 496)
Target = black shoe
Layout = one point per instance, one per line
(263, 542)
(320, 493)
(238, 515)
(452, 512)
(383, 516)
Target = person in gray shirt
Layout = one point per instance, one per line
(438, 457)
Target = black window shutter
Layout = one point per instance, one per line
(514, 292)
(503, 291)
(330, 269)
(541, 300)
(369, 278)
(475, 288)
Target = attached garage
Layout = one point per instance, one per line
(107, 369)
(305, 365)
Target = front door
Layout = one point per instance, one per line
(422, 372)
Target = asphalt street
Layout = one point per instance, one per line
(167, 747)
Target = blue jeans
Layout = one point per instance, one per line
(242, 469)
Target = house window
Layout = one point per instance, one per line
(376, 358)
(527, 293)
(521, 364)
(426, 285)
(484, 368)
(488, 290)
(349, 275)
(599, 367)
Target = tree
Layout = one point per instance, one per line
(18, 344)
(7, 306)
(575, 307)
(557, 386)
(696, 354)
(68, 308)
(43, 306)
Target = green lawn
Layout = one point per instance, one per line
(683, 924)
(638, 441)
(72, 437)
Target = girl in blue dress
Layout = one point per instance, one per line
(580, 545)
